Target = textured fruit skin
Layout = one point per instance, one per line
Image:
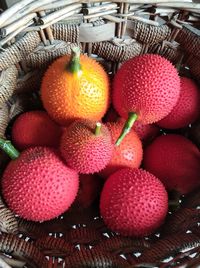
(133, 202)
(89, 189)
(38, 186)
(128, 154)
(148, 85)
(187, 109)
(146, 132)
(175, 161)
(68, 96)
(82, 150)
(35, 128)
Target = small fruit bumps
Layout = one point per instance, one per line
(75, 87)
(147, 85)
(38, 186)
(146, 88)
(175, 161)
(187, 109)
(133, 202)
(35, 128)
(86, 146)
(128, 154)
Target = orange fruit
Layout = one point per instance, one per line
(75, 87)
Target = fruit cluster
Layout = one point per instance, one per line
(108, 137)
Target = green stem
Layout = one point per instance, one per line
(97, 130)
(74, 65)
(132, 117)
(9, 149)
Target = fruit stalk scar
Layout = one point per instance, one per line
(132, 117)
(9, 149)
(97, 130)
(74, 65)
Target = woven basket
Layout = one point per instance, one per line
(32, 34)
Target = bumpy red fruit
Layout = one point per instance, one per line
(38, 186)
(175, 161)
(127, 154)
(35, 128)
(187, 108)
(83, 150)
(133, 202)
(147, 85)
(146, 132)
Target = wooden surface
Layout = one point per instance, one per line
(4, 4)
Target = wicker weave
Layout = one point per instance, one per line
(32, 34)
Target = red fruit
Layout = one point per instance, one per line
(127, 154)
(147, 85)
(35, 128)
(187, 108)
(146, 132)
(89, 189)
(133, 202)
(38, 186)
(194, 133)
(146, 88)
(175, 161)
(84, 149)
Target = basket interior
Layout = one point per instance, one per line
(32, 35)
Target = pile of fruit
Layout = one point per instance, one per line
(96, 131)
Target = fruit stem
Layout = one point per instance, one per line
(132, 117)
(9, 149)
(97, 129)
(74, 65)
